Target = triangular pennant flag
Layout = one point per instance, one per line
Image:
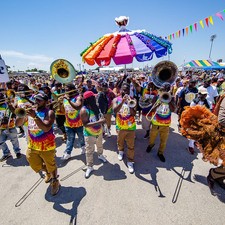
(173, 35)
(179, 33)
(207, 21)
(183, 31)
(211, 20)
(186, 30)
(168, 37)
(196, 26)
(191, 28)
(224, 10)
(219, 15)
(201, 23)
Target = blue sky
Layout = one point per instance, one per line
(35, 33)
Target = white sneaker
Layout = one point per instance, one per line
(120, 155)
(82, 150)
(66, 156)
(102, 157)
(88, 171)
(130, 166)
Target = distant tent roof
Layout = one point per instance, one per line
(203, 64)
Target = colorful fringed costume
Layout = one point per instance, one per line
(199, 124)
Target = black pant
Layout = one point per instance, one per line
(60, 119)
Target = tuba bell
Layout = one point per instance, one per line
(165, 71)
(62, 71)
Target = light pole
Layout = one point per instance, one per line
(211, 39)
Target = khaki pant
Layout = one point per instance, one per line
(127, 136)
(163, 132)
(39, 160)
(90, 142)
(108, 118)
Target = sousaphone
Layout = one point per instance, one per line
(165, 71)
(62, 71)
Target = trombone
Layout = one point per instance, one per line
(164, 97)
(22, 112)
(56, 97)
(10, 94)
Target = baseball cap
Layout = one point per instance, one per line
(41, 96)
(202, 91)
(88, 94)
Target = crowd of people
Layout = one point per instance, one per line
(86, 106)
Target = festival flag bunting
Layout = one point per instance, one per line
(207, 20)
(201, 23)
(211, 20)
(195, 25)
(219, 15)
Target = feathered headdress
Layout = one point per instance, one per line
(199, 124)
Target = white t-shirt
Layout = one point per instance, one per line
(212, 93)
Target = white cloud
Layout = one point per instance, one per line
(22, 61)
(15, 54)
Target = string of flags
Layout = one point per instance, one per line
(194, 27)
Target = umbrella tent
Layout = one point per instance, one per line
(124, 45)
(203, 64)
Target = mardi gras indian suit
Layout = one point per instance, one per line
(199, 124)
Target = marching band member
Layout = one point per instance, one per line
(126, 125)
(90, 116)
(41, 141)
(106, 95)
(60, 112)
(148, 93)
(7, 129)
(73, 125)
(24, 100)
(161, 122)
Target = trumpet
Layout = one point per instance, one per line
(131, 102)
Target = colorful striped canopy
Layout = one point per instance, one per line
(123, 46)
(202, 64)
